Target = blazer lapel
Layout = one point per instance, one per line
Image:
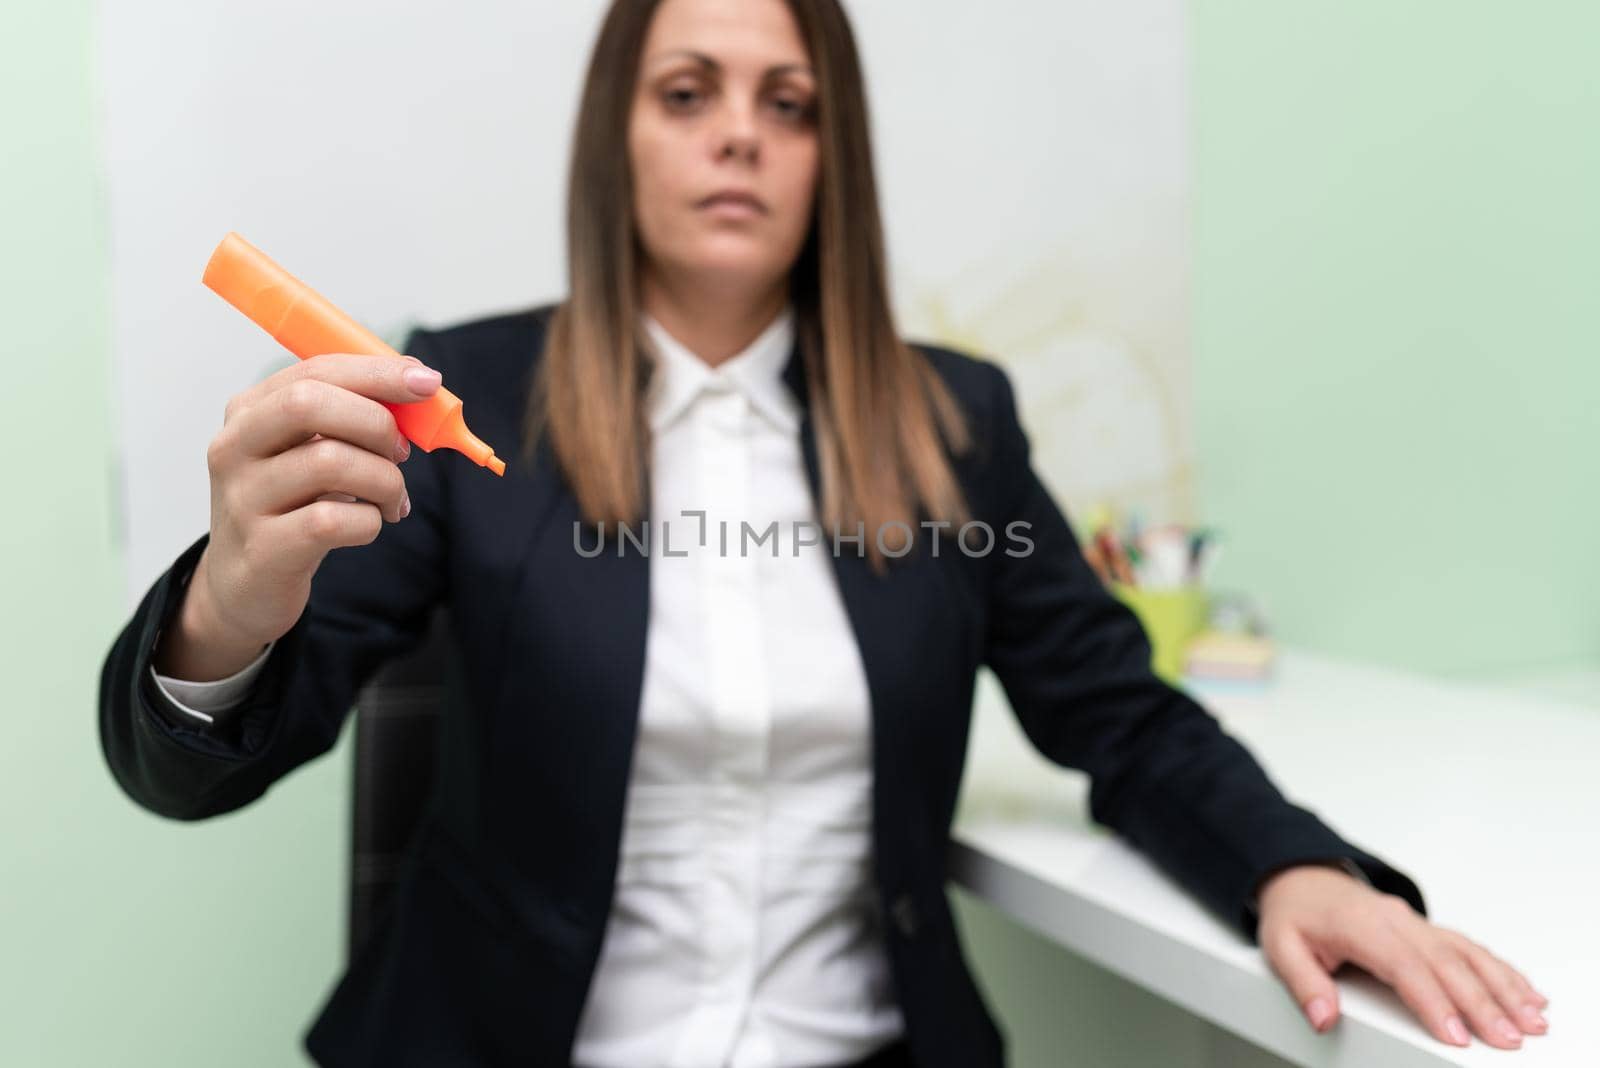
(572, 670)
(873, 608)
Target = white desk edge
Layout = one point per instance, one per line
(1084, 889)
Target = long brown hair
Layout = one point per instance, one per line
(881, 414)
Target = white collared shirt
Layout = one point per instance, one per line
(743, 932)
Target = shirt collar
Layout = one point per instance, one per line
(757, 371)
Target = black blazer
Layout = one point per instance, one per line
(486, 956)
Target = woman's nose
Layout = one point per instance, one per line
(738, 136)
(744, 148)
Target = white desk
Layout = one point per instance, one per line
(1489, 797)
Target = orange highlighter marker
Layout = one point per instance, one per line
(307, 324)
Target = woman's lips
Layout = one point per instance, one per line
(733, 206)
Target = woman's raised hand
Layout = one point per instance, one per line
(307, 461)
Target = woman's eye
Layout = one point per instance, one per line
(681, 97)
(791, 108)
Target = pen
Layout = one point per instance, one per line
(307, 324)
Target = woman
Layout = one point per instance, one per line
(697, 778)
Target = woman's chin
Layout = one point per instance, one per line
(733, 266)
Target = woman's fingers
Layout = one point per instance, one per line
(381, 378)
(1388, 949)
(1312, 988)
(311, 406)
(319, 468)
(1473, 997)
(309, 533)
(1476, 952)
(336, 395)
(1448, 981)
(1514, 993)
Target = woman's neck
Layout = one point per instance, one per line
(715, 325)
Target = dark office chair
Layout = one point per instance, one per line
(396, 714)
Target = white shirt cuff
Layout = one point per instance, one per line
(201, 699)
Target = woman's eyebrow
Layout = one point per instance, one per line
(708, 63)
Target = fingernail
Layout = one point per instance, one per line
(1508, 1030)
(1457, 1031)
(405, 506)
(402, 449)
(1318, 1011)
(1533, 1017)
(422, 379)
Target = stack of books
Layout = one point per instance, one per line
(1229, 659)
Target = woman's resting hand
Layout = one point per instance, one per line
(1314, 918)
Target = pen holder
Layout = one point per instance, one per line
(1171, 618)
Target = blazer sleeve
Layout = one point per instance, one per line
(368, 603)
(1075, 665)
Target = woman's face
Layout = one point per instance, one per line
(725, 102)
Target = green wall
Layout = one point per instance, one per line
(125, 939)
(1396, 262)
(1396, 373)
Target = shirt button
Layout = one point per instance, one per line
(904, 911)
